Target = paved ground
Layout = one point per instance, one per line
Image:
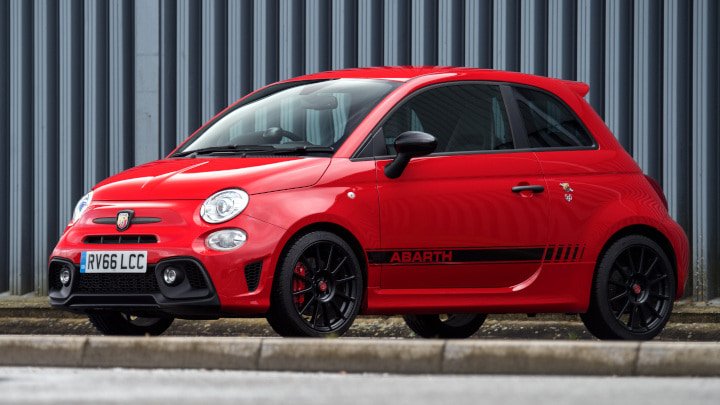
(689, 322)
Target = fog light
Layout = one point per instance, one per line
(226, 240)
(65, 277)
(171, 276)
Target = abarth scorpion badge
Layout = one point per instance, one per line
(568, 191)
(124, 219)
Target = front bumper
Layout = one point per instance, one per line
(216, 284)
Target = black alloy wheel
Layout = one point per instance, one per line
(633, 291)
(318, 287)
(122, 324)
(445, 326)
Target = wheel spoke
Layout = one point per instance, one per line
(306, 306)
(326, 316)
(318, 257)
(651, 266)
(652, 310)
(657, 280)
(342, 262)
(337, 309)
(641, 262)
(301, 292)
(618, 283)
(619, 296)
(659, 296)
(344, 296)
(620, 270)
(301, 277)
(345, 280)
(633, 269)
(643, 321)
(622, 311)
(632, 320)
(329, 259)
(314, 318)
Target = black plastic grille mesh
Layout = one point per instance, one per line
(119, 239)
(117, 283)
(252, 275)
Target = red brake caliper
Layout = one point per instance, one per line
(299, 285)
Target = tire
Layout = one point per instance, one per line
(451, 326)
(633, 291)
(121, 324)
(318, 287)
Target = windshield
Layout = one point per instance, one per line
(306, 118)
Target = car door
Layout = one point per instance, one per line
(471, 215)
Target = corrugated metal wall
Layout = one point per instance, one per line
(90, 88)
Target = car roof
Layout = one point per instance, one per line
(407, 73)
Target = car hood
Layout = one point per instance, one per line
(191, 179)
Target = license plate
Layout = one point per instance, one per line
(113, 262)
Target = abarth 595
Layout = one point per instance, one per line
(439, 194)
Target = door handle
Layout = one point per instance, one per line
(533, 188)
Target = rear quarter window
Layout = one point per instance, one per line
(549, 122)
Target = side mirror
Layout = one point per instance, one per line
(409, 145)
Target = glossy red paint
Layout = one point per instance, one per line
(448, 235)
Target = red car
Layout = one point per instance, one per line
(442, 194)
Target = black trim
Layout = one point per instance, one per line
(401, 257)
(512, 254)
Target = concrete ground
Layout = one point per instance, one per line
(549, 344)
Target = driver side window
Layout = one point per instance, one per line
(463, 118)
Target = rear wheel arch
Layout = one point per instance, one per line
(649, 232)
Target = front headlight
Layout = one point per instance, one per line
(224, 205)
(81, 206)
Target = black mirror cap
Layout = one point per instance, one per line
(415, 143)
(409, 145)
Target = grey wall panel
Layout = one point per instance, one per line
(95, 87)
(705, 160)
(188, 68)
(70, 185)
(21, 148)
(292, 39)
(240, 49)
(424, 33)
(647, 56)
(506, 35)
(146, 83)
(396, 46)
(120, 73)
(317, 36)
(344, 33)
(45, 140)
(618, 70)
(4, 139)
(451, 38)
(479, 34)
(370, 34)
(676, 108)
(162, 56)
(214, 58)
(591, 50)
(533, 36)
(562, 37)
(265, 50)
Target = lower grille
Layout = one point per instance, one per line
(118, 283)
(252, 275)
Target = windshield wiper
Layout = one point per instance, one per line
(226, 149)
(303, 150)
